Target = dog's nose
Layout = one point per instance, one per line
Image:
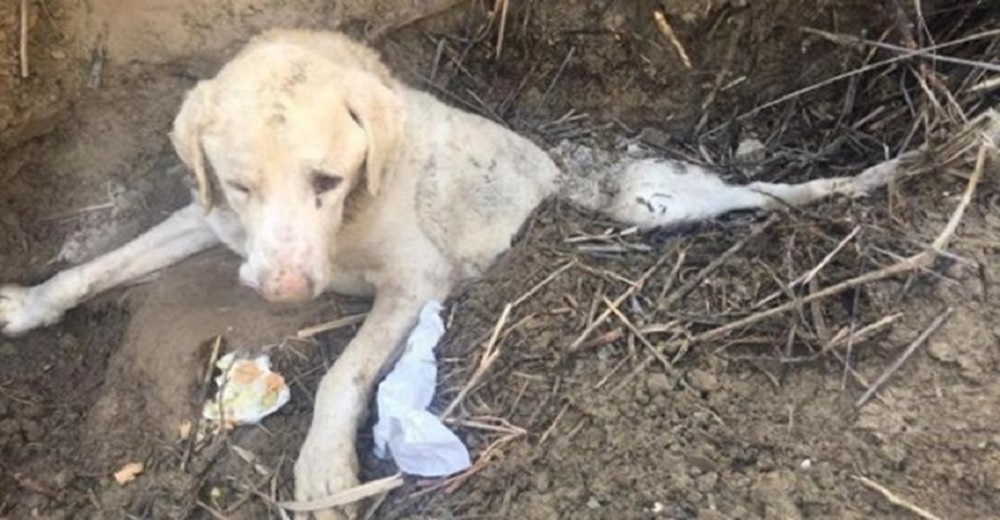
(288, 286)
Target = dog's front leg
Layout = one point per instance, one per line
(183, 233)
(328, 461)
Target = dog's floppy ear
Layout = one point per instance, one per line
(379, 110)
(186, 138)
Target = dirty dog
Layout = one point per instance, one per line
(325, 173)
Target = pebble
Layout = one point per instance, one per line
(658, 383)
(703, 381)
(32, 431)
(62, 479)
(654, 136)
(707, 482)
(542, 481)
(749, 147)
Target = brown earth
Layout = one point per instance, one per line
(759, 425)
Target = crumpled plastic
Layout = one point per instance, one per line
(248, 390)
(416, 439)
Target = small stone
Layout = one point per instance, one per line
(658, 383)
(654, 137)
(943, 351)
(542, 481)
(62, 479)
(9, 427)
(749, 147)
(806, 464)
(67, 341)
(58, 54)
(593, 503)
(707, 482)
(32, 431)
(703, 381)
(700, 464)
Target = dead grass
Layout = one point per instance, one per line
(832, 285)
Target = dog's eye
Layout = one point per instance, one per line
(322, 182)
(354, 116)
(239, 187)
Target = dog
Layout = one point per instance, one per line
(327, 173)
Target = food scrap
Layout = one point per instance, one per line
(128, 473)
(247, 392)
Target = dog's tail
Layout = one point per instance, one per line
(657, 193)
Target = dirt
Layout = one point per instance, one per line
(754, 426)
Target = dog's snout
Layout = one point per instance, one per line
(287, 286)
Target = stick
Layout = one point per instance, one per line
(559, 72)
(349, 496)
(671, 36)
(573, 347)
(638, 333)
(338, 323)
(844, 335)
(206, 385)
(504, 5)
(490, 355)
(538, 286)
(919, 511)
(24, 38)
(690, 284)
(806, 278)
(921, 339)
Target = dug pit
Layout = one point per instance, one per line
(631, 421)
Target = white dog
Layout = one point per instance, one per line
(326, 173)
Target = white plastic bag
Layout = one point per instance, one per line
(417, 440)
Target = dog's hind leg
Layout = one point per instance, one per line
(183, 234)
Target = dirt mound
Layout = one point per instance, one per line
(628, 422)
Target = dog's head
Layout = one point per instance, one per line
(285, 134)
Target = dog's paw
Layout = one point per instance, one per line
(23, 309)
(325, 468)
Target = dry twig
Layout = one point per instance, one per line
(338, 323)
(24, 39)
(490, 354)
(501, 6)
(895, 500)
(921, 339)
(206, 386)
(633, 289)
(668, 32)
(712, 266)
(350, 496)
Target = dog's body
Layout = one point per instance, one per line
(335, 176)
